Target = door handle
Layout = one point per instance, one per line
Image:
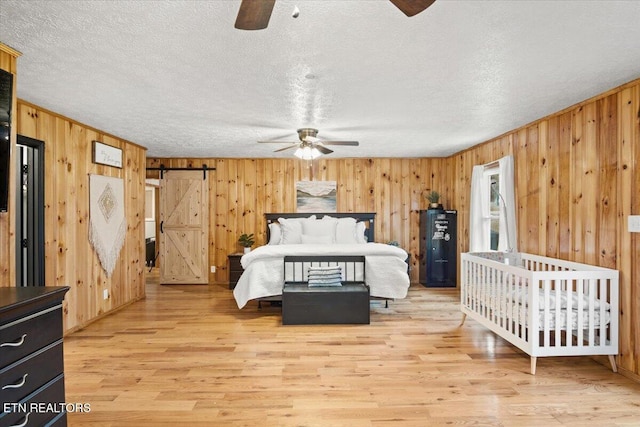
(161, 230)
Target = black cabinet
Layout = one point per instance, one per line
(31, 356)
(438, 248)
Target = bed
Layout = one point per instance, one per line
(543, 306)
(321, 234)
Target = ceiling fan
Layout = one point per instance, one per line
(255, 14)
(309, 147)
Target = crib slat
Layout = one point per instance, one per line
(602, 295)
(580, 314)
(592, 312)
(547, 312)
(525, 289)
(567, 290)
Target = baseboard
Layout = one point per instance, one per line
(100, 316)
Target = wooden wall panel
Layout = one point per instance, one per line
(634, 253)
(591, 205)
(577, 181)
(608, 173)
(8, 62)
(576, 184)
(246, 189)
(565, 201)
(69, 257)
(627, 243)
(528, 184)
(543, 178)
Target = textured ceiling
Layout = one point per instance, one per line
(179, 79)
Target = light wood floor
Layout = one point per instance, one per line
(186, 356)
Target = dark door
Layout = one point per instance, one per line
(30, 212)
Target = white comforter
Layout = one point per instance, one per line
(385, 269)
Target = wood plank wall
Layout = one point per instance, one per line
(577, 181)
(69, 257)
(243, 190)
(8, 62)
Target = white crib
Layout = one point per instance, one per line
(534, 302)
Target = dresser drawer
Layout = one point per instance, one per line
(59, 421)
(24, 336)
(234, 263)
(20, 379)
(34, 411)
(234, 276)
(235, 269)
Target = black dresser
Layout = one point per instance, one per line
(31, 357)
(235, 269)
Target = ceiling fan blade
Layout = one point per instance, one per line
(254, 14)
(286, 148)
(314, 140)
(412, 7)
(323, 149)
(279, 142)
(352, 143)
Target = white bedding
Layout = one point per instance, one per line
(263, 276)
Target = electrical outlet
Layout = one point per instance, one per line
(213, 268)
(105, 294)
(634, 223)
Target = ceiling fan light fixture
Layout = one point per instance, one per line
(309, 147)
(307, 153)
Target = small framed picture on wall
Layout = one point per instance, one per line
(105, 154)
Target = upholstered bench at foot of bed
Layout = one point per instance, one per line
(304, 305)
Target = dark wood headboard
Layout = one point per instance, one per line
(367, 217)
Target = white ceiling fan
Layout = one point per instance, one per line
(309, 146)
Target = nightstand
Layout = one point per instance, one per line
(235, 269)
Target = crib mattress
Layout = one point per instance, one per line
(553, 319)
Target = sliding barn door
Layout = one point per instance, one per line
(184, 228)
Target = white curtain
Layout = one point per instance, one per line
(479, 238)
(508, 228)
(479, 215)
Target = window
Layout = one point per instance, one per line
(492, 211)
(492, 177)
(149, 204)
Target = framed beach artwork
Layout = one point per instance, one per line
(316, 196)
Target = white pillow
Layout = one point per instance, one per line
(292, 229)
(323, 240)
(361, 229)
(275, 233)
(345, 230)
(323, 227)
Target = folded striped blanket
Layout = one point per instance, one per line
(327, 277)
(323, 270)
(324, 276)
(332, 282)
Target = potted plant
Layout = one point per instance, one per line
(434, 198)
(246, 241)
